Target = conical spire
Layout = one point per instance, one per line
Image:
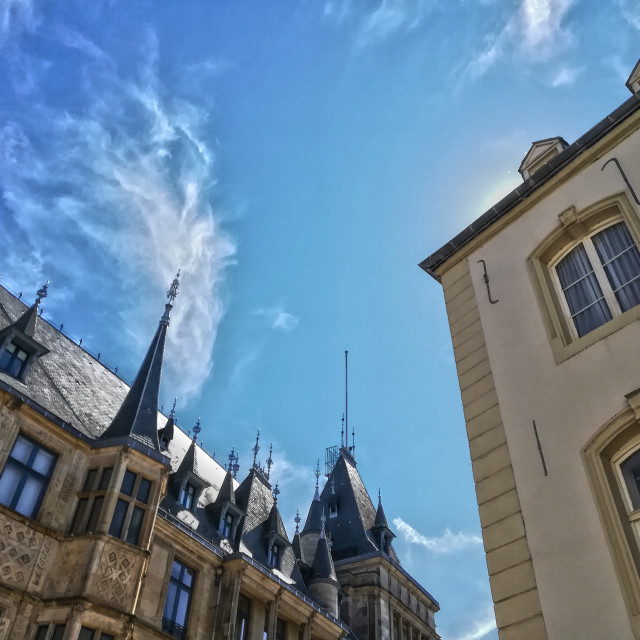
(322, 561)
(381, 519)
(137, 416)
(28, 320)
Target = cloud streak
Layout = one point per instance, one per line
(128, 174)
(449, 542)
(279, 319)
(480, 628)
(534, 32)
(389, 19)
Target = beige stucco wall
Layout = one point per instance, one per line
(569, 401)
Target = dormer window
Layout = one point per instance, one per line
(333, 510)
(227, 525)
(187, 496)
(273, 558)
(13, 360)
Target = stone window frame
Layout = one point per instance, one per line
(603, 456)
(26, 470)
(95, 634)
(122, 520)
(90, 499)
(574, 226)
(49, 630)
(169, 625)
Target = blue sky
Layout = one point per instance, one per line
(296, 160)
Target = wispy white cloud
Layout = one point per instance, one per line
(481, 627)
(389, 19)
(279, 319)
(534, 31)
(16, 16)
(447, 543)
(75, 40)
(631, 12)
(566, 76)
(128, 174)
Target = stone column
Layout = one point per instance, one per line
(74, 623)
(113, 491)
(272, 616)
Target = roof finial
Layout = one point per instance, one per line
(276, 493)
(346, 397)
(317, 474)
(233, 461)
(256, 448)
(196, 430)
(42, 292)
(269, 460)
(379, 497)
(172, 293)
(342, 433)
(172, 415)
(297, 520)
(323, 519)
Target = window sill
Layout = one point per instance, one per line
(562, 351)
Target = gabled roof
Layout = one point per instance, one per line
(26, 323)
(633, 81)
(227, 493)
(541, 151)
(192, 462)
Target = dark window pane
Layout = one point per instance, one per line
(86, 634)
(143, 490)
(90, 480)
(79, 516)
(92, 524)
(117, 522)
(105, 478)
(127, 483)
(135, 524)
(42, 633)
(106, 636)
(58, 632)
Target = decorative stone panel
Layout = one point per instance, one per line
(19, 552)
(68, 574)
(116, 579)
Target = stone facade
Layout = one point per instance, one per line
(550, 396)
(114, 524)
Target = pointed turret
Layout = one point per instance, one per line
(323, 582)
(295, 543)
(381, 532)
(313, 524)
(224, 510)
(166, 433)
(381, 519)
(137, 416)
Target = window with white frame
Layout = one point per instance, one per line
(131, 507)
(25, 476)
(599, 278)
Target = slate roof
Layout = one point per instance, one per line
(381, 518)
(350, 529)
(322, 562)
(313, 523)
(28, 320)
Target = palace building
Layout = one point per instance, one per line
(543, 300)
(117, 525)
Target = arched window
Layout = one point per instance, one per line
(586, 274)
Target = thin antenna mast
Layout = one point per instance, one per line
(346, 398)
